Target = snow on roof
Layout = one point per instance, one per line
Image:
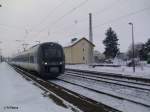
(71, 43)
(76, 41)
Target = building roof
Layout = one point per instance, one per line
(71, 44)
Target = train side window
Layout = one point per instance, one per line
(26, 59)
(31, 59)
(23, 59)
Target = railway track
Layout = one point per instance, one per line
(139, 93)
(121, 82)
(112, 76)
(137, 90)
(84, 103)
(119, 102)
(70, 88)
(110, 90)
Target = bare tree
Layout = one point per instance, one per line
(137, 49)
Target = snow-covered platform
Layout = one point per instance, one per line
(143, 72)
(19, 95)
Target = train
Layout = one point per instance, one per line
(47, 60)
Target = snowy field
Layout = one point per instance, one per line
(20, 95)
(124, 70)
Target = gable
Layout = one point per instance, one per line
(83, 39)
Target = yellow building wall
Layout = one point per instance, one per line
(80, 53)
(67, 52)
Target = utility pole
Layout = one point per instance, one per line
(25, 46)
(133, 54)
(21, 41)
(91, 37)
(48, 33)
(0, 53)
(90, 28)
(26, 33)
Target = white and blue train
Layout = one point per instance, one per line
(46, 59)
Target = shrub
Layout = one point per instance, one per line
(148, 61)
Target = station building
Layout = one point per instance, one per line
(79, 52)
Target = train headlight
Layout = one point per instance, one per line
(45, 63)
(62, 62)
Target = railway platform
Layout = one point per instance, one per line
(19, 95)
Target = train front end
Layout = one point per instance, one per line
(53, 60)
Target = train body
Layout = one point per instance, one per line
(46, 59)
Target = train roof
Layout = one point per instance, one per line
(43, 44)
(34, 48)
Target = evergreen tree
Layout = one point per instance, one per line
(147, 44)
(142, 53)
(145, 50)
(111, 43)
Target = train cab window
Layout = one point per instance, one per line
(50, 52)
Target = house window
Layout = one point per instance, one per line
(83, 49)
(83, 58)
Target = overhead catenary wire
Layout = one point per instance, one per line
(50, 13)
(98, 12)
(106, 8)
(110, 6)
(22, 28)
(99, 25)
(116, 19)
(11, 27)
(120, 18)
(124, 16)
(66, 14)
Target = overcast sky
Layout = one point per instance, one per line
(61, 20)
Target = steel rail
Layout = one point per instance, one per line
(105, 93)
(111, 81)
(32, 78)
(113, 76)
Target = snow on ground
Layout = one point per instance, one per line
(122, 105)
(20, 95)
(124, 70)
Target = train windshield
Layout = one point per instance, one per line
(52, 52)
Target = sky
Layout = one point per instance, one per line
(29, 21)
